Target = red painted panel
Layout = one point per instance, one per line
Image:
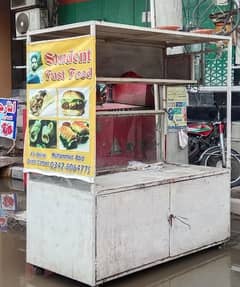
(123, 139)
(133, 94)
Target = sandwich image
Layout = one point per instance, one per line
(68, 137)
(48, 132)
(35, 131)
(74, 133)
(43, 133)
(40, 102)
(82, 130)
(73, 103)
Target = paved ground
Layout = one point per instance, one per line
(212, 268)
(216, 267)
(236, 192)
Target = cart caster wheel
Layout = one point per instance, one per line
(38, 270)
(222, 246)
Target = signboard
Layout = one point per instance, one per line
(61, 108)
(8, 118)
(3, 221)
(8, 201)
(177, 107)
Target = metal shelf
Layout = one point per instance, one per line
(19, 67)
(128, 113)
(144, 81)
(24, 38)
(216, 89)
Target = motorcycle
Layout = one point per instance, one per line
(206, 143)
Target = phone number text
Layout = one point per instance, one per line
(61, 166)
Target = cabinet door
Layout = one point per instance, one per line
(132, 229)
(200, 210)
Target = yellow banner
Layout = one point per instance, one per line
(61, 108)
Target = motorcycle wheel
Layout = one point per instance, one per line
(193, 150)
(213, 158)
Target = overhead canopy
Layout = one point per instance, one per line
(118, 32)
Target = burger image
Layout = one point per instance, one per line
(82, 130)
(73, 103)
(73, 134)
(68, 137)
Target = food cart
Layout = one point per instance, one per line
(88, 217)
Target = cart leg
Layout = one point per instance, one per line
(32, 270)
(222, 246)
(38, 270)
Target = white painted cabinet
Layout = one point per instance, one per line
(132, 229)
(132, 220)
(142, 226)
(201, 213)
(126, 221)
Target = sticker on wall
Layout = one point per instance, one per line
(177, 107)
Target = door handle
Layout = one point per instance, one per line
(181, 219)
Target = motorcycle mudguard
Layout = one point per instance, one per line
(212, 148)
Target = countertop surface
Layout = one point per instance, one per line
(154, 174)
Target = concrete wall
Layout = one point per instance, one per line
(168, 12)
(124, 11)
(174, 153)
(5, 50)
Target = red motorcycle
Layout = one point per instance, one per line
(206, 144)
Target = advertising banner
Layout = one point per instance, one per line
(177, 107)
(61, 108)
(8, 118)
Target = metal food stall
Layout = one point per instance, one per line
(123, 208)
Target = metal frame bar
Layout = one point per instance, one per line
(229, 102)
(132, 112)
(111, 80)
(102, 29)
(93, 191)
(157, 121)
